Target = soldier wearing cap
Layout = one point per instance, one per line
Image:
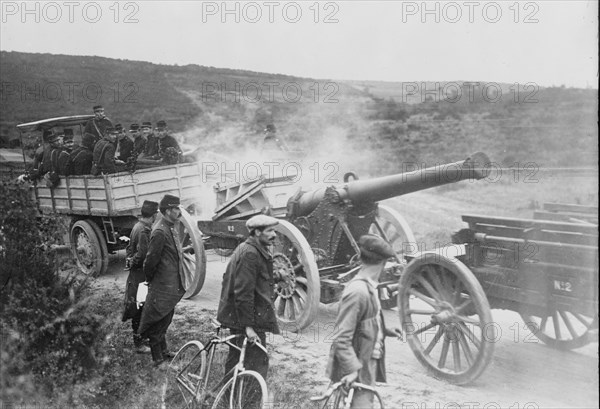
(139, 139)
(38, 156)
(80, 160)
(51, 154)
(163, 269)
(168, 148)
(98, 125)
(358, 350)
(136, 254)
(151, 148)
(247, 294)
(104, 154)
(124, 148)
(65, 154)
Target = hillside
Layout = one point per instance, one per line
(372, 126)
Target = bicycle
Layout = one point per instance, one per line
(189, 373)
(339, 396)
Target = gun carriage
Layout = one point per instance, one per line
(316, 252)
(545, 270)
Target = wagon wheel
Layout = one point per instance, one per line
(89, 247)
(194, 256)
(390, 225)
(297, 285)
(441, 302)
(562, 329)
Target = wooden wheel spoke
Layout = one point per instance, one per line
(425, 328)
(420, 312)
(468, 320)
(444, 354)
(302, 280)
(581, 319)
(434, 341)
(470, 335)
(423, 297)
(301, 294)
(456, 354)
(556, 323)
(435, 279)
(281, 307)
(289, 308)
(298, 267)
(465, 346)
(427, 285)
(568, 324)
(464, 305)
(543, 324)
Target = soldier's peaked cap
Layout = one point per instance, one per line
(134, 127)
(97, 107)
(146, 124)
(169, 201)
(261, 221)
(149, 208)
(161, 124)
(119, 127)
(47, 134)
(374, 247)
(68, 131)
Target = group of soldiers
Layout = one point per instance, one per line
(104, 148)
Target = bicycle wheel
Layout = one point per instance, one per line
(246, 391)
(184, 376)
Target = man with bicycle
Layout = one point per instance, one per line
(358, 351)
(246, 304)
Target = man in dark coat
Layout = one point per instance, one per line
(104, 154)
(139, 140)
(50, 155)
(97, 126)
(247, 294)
(136, 254)
(151, 148)
(65, 154)
(38, 157)
(80, 160)
(124, 148)
(168, 148)
(163, 269)
(358, 350)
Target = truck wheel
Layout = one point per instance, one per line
(89, 248)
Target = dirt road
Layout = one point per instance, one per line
(524, 372)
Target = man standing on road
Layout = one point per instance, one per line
(136, 253)
(358, 350)
(97, 126)
(163, 269)
(246, 305)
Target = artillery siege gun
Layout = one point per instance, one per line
(316, 251)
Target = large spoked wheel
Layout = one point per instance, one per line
(194, 256)
(89, 247)
(563, 329)
(185, 373)
(390, 225)
(297, 278)
(444, 311)
(247, 391)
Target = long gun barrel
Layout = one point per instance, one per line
(475, 167)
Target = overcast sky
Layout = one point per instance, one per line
(545, 42)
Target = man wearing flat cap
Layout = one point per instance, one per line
(358, 351)
(97, 125)
(51, 154)
(136, 254)
(67, 148)
(163, 269)
(151, 148)
(247, 294)
(124, 148)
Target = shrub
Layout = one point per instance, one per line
(50, 337)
